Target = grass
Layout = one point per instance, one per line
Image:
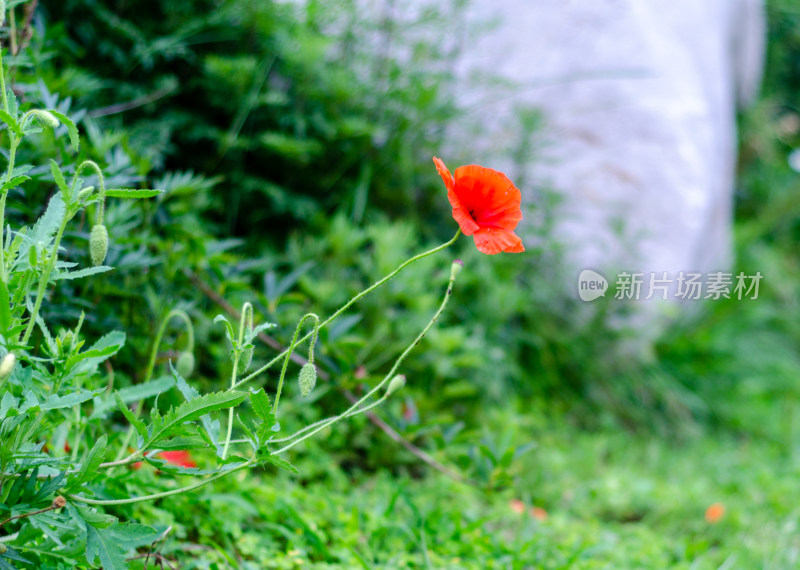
(612, 500)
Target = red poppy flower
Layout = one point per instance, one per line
(486, 205)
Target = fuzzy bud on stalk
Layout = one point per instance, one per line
(308, 378)
(85, 193)
(46, 118)
(98, 244)
(7, 365)
(59, 502)
(396, 384)
(456, 268)
(185, 364)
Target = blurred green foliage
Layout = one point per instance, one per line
(294, 144)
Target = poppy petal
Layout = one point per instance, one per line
(444, 173)
(488, 196)
(466, 223)
(495, 240)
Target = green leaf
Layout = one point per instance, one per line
(11, 122)
(59, 177)
(46, 226)
(261, 406)
(137, 424)
(100, 543)
(82, 272)
(90, 464)
(74, 139)
(132, 193)
(95, 518)
(131, 394)
(16, 181)
(55, 401)
(282, 463)
(211, 427)
(163, 427)
(228, 329)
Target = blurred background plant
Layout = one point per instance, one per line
(293, 142)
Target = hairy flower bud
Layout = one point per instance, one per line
(59, 502)
(98, 244)
(85, 193)
(396, 384)
(308, 378)
(3, 548)
(7, 365)
(185, 364)
(456, 268)
(46, 118)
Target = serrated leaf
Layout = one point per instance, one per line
(192, 410)
(46, 226)
(55, 401)
(86, 272)
(131, 394)
(72, 130)
(261, 406)
(137, 424)
(282, 463)
(16, 181)
(95, 518)
(58, 177)
(11, 122)
(12, 554)
(100, 543)
(90, 463)
(132, 193)
(210, 426)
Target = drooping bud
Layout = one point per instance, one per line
(98, 244)
(185, 364)
(46, 118)
(456, 268)
(7, 366)
(396, 384)
(3, 548)
(308, 378)
(59, 502)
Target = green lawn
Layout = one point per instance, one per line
(612, 500)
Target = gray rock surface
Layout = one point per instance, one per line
(638, 99)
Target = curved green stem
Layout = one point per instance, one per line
(44, 279)
(387, 378)
(347, 305)
(291, 349)
(163, 494)
(229, 433)
(331, 419)
(151, 363)
(160, 334)
(12, 153)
